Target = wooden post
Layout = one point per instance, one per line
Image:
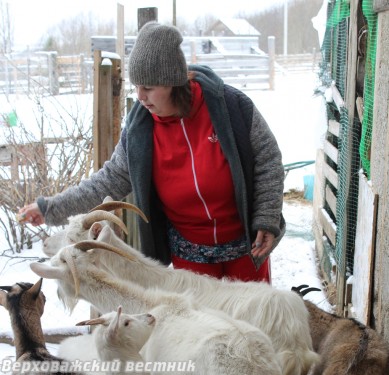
(380, 5)
(117, 107)
(106, 106)
(271, 52)
(106, 111)
(130, 218)
(102, 127)
(53, 73)
(174, 13)
(28, 72)
(193, 54)
(147, 14)
(313, 59)
(349, 102)
(82, 74)
(7, 79)
(120, 50)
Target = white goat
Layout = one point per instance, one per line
(119, 337)
(78, 226)
(213, 342)
(25, 303)
(346, 346)
(257, 303)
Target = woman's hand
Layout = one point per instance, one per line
(30, 214)
(263, 243)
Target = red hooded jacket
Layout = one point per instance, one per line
(192, 176)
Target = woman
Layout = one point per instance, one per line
(201, 162)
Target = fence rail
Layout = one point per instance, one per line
(47, 73)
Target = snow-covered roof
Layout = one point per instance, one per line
(240, 26)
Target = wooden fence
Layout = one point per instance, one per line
(47, 73)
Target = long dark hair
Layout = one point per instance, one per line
(182, 97)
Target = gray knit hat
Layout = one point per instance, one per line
(156, 58)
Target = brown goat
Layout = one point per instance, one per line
(346, 346)
(25, 303)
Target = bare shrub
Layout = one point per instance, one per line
(49, 150)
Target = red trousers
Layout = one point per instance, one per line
(240, 269)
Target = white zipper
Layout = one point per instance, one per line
(196, 184)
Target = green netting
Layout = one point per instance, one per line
(340, 11)
(368, 93)
(347, 193)
(354, 140)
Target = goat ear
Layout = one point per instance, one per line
(35, 289)
(47, 272)
(3, 298)
(105, 235)
(95, 230)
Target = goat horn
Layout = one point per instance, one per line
(298, 289)
(91, 322)
(99, 215)
(114, 325)
(87, 245)
(312, 289)
(73, 269)
(302, 286)
(114, 205)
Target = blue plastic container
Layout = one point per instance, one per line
(309, 182)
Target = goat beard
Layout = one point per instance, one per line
(67, 298)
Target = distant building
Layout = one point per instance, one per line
(232, 27)
(108, 43)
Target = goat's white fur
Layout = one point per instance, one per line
(75, 230)
(257, 303)
(183, 332)
(72, 233)
(118, 336)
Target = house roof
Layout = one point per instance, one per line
(239, 26)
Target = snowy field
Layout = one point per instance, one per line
(297, 119)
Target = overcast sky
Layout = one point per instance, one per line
(32, 18)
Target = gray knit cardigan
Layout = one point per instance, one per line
(248, 145)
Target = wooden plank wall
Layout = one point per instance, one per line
(325, 204)
(380, 176)
(364, 252)
(380, 5)
(324, 201)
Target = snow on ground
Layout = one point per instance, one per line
(298, 122)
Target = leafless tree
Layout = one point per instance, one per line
(6, 32)
(72, 36)
(45, 157)
(302, 37)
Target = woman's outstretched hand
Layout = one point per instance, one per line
(30, 214)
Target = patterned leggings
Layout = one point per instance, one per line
(241, 269)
